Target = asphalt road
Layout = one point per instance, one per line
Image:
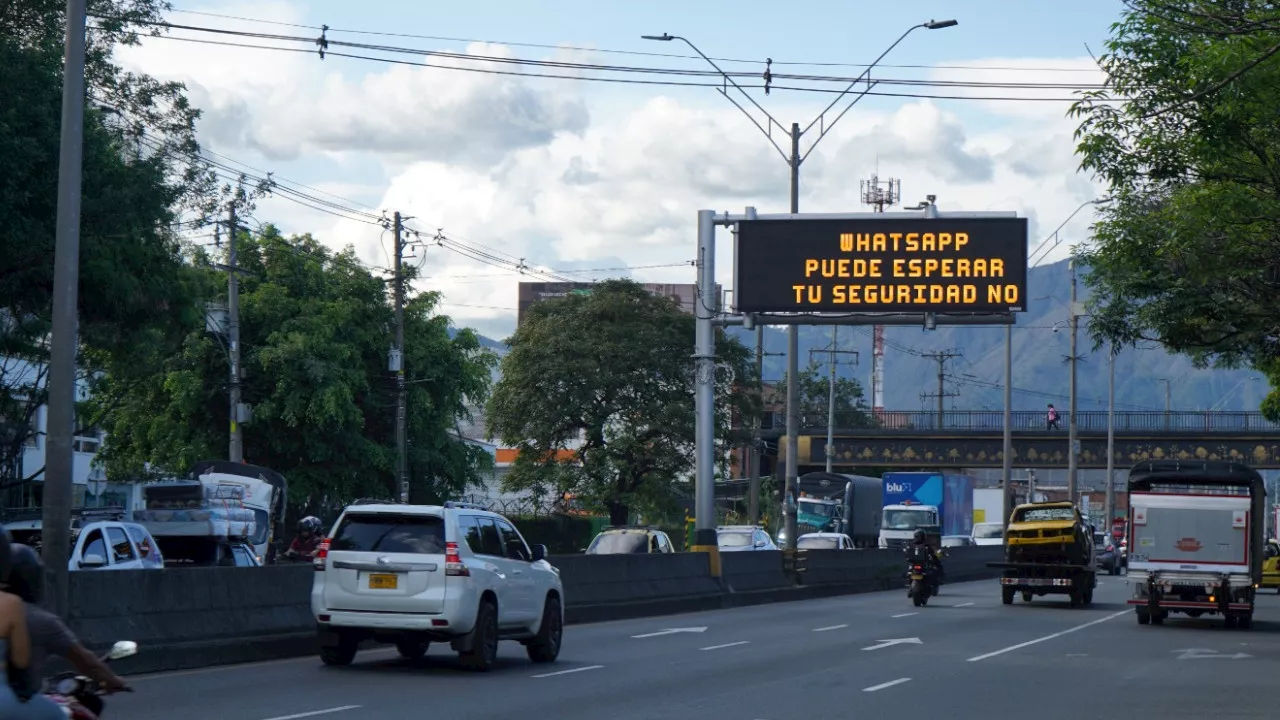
(964, 656)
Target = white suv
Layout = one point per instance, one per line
(414, 574)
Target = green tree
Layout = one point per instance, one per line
(141, 175)
(1187, 247)
(815, 392)
(314, 334)
(612, 370)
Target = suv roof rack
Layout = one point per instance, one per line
(462, 505)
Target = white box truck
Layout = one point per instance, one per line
(1195, 540)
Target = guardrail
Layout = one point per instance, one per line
(889, 421)
(185, 618)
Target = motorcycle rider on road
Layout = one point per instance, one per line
(304, 546)
(49, 636)
(921, 550)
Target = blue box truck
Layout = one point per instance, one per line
(917, 499)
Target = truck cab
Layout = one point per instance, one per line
(200, 524)
(900, 523)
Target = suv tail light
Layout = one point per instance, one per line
(322, 552)
(453, 564)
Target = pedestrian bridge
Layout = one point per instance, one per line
(975, 438)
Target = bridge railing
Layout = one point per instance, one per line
(1154, 421)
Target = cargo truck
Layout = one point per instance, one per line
(1196, 540)
(916, 500)
(1048, 550)
(988, 506)
(851, 507)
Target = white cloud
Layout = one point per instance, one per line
(514, 169)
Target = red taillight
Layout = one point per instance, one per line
(322, 552)
(453, 564)
(917, 567)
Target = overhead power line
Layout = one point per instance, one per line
(634, 53)
(323, 46)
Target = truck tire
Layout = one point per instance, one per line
(1026, 596)
(1144, 617)
(1088, 597)
(1246, 621)
(1006, 595)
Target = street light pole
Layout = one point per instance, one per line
(794, 159)
(1072, 438)
(1111, 438)
(1007, 462)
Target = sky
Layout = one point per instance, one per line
(531, 179)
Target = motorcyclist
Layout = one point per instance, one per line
(49, 635)
(306, 543)
(921, 550)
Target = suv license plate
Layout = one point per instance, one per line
(383, 582)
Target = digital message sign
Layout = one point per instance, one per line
(892, 265)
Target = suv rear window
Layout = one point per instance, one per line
(619, 543)
(381, 532)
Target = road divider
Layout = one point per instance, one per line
(187, 618)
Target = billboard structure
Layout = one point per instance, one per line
(685, 294)
(884, 264)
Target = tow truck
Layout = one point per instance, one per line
(1048, 550)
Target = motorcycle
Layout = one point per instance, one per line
(80, 697)
(921, 585)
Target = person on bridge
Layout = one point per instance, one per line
(50, 637)
(306, 543)
(1052, 418)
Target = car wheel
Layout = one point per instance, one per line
(545, 647)
(412, 649)
(484, 640)
(341, 654)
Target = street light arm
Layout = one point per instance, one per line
(864, 74)
(665, 37)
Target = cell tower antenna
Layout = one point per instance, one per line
(879, 194)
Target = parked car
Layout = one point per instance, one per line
(416, 574)
(949, 541)
(824, 541)
(627, 540)
(1271, 566)
(740, 538)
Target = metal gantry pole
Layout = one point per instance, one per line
(1072, 437)
(1007, 461)
(790, 505)
(1111, 438)
(63, 341)
(704, 389)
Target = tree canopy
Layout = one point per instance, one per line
(314, 328)
(815, 392)
(1187, 251)
(610, 375)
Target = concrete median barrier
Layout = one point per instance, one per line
(185, 618)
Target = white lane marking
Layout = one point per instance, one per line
(833, 627)
(889, 684)
(727, 645)
(906, 614)
(569, 672)
(313, 713)
(1068, 631)
(896, 641)
(962, 605)
(671, 631)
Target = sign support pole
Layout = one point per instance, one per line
(704, 536)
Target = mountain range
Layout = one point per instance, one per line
(974, 378)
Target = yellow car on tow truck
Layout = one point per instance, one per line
(1048, 550)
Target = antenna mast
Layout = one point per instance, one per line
(879, 194)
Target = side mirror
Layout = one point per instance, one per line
(93, 561)
(539, 552)
(122, 649)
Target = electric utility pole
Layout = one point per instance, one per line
(61, 421)
(941, 358)
(831, 354)
(794, 159)
(397, 366)
(236, 450)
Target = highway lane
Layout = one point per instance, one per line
(788, 660)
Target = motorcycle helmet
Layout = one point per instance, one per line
(26, 576)
(309, 524)
(918, 537)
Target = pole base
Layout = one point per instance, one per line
(706, 541)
